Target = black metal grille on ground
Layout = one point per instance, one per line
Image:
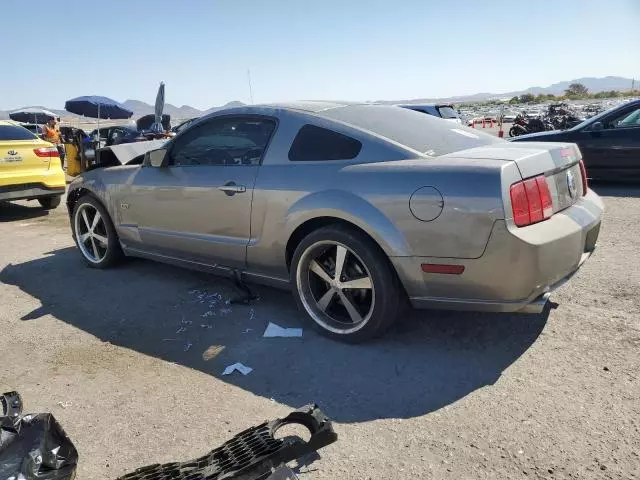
(251, 454)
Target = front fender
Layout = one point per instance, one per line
(83, 184)
(350, 208)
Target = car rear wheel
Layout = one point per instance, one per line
(94, 234)
(49, 203)
(345, 284)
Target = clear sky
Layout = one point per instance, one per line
(307, 49)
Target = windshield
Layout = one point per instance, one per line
(424, 133)
(15, 132)
(447, 112)
(595, 118)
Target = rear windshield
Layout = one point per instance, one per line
(447, 112)
(424, 133)
(14, 132)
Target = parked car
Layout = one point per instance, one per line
(356, 208)
(181, 126)
(30, 168)
(33, 128)
(609, 142)
(445, 111)
(116, 135)
(146, 122)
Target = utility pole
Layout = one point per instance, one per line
(250, 89)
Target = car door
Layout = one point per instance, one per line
(611, 147)
(197, 206)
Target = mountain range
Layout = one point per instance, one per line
(594, 85)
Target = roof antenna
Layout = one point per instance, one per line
(250, 89)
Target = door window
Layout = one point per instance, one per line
(627, 120)
(223, 141)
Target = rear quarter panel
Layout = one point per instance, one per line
(375, 197)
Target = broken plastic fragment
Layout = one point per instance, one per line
(212, 352)
(274, 330)
(243, 369)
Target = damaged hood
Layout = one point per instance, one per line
(128, 151)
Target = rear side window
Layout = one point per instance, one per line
(447, 112)
(316, 143)
(14, 132)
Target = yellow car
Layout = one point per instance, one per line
(30, 168)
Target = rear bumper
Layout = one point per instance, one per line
(27, 191)
(518, 269)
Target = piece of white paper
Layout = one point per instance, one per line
(243, 369)
(274, 330)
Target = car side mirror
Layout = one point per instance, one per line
(155, 158)
(597, 126)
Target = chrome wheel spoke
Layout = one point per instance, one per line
(361, 283)
(318, 270)
(86, 220)
(96, 219)
(94, 247)
(84, 237)
(102, 239)
(350, 307)
(341, 255)
(325, 300)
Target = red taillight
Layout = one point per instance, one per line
(585, 182)
(535, 202)
(545, 196)
(46, 152)
(442, 268)
(519, 204)
(531, 201)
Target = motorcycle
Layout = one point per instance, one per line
(523, 126)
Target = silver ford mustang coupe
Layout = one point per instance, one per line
(355, 207)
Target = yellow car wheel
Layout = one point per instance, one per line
(49, 203)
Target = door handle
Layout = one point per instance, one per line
(230, 188)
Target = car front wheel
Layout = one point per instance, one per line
(345, 284)
(94, 234)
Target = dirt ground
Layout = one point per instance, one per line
(127, 361)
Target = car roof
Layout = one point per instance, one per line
(312, 106)
(424, 105)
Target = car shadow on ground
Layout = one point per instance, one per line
(430, 360)
(10, 212)
(611, 189)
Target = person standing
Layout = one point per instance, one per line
(51, 133)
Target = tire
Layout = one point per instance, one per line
(101, 247)
(374, 307)
(49, 203)
(516, 131)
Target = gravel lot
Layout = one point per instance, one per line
(123, 359)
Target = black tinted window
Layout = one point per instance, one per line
(14, 132)
(223, 141)
(316, 143)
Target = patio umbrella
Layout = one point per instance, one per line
(159, 107)
(98, 107)
(33, 114)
